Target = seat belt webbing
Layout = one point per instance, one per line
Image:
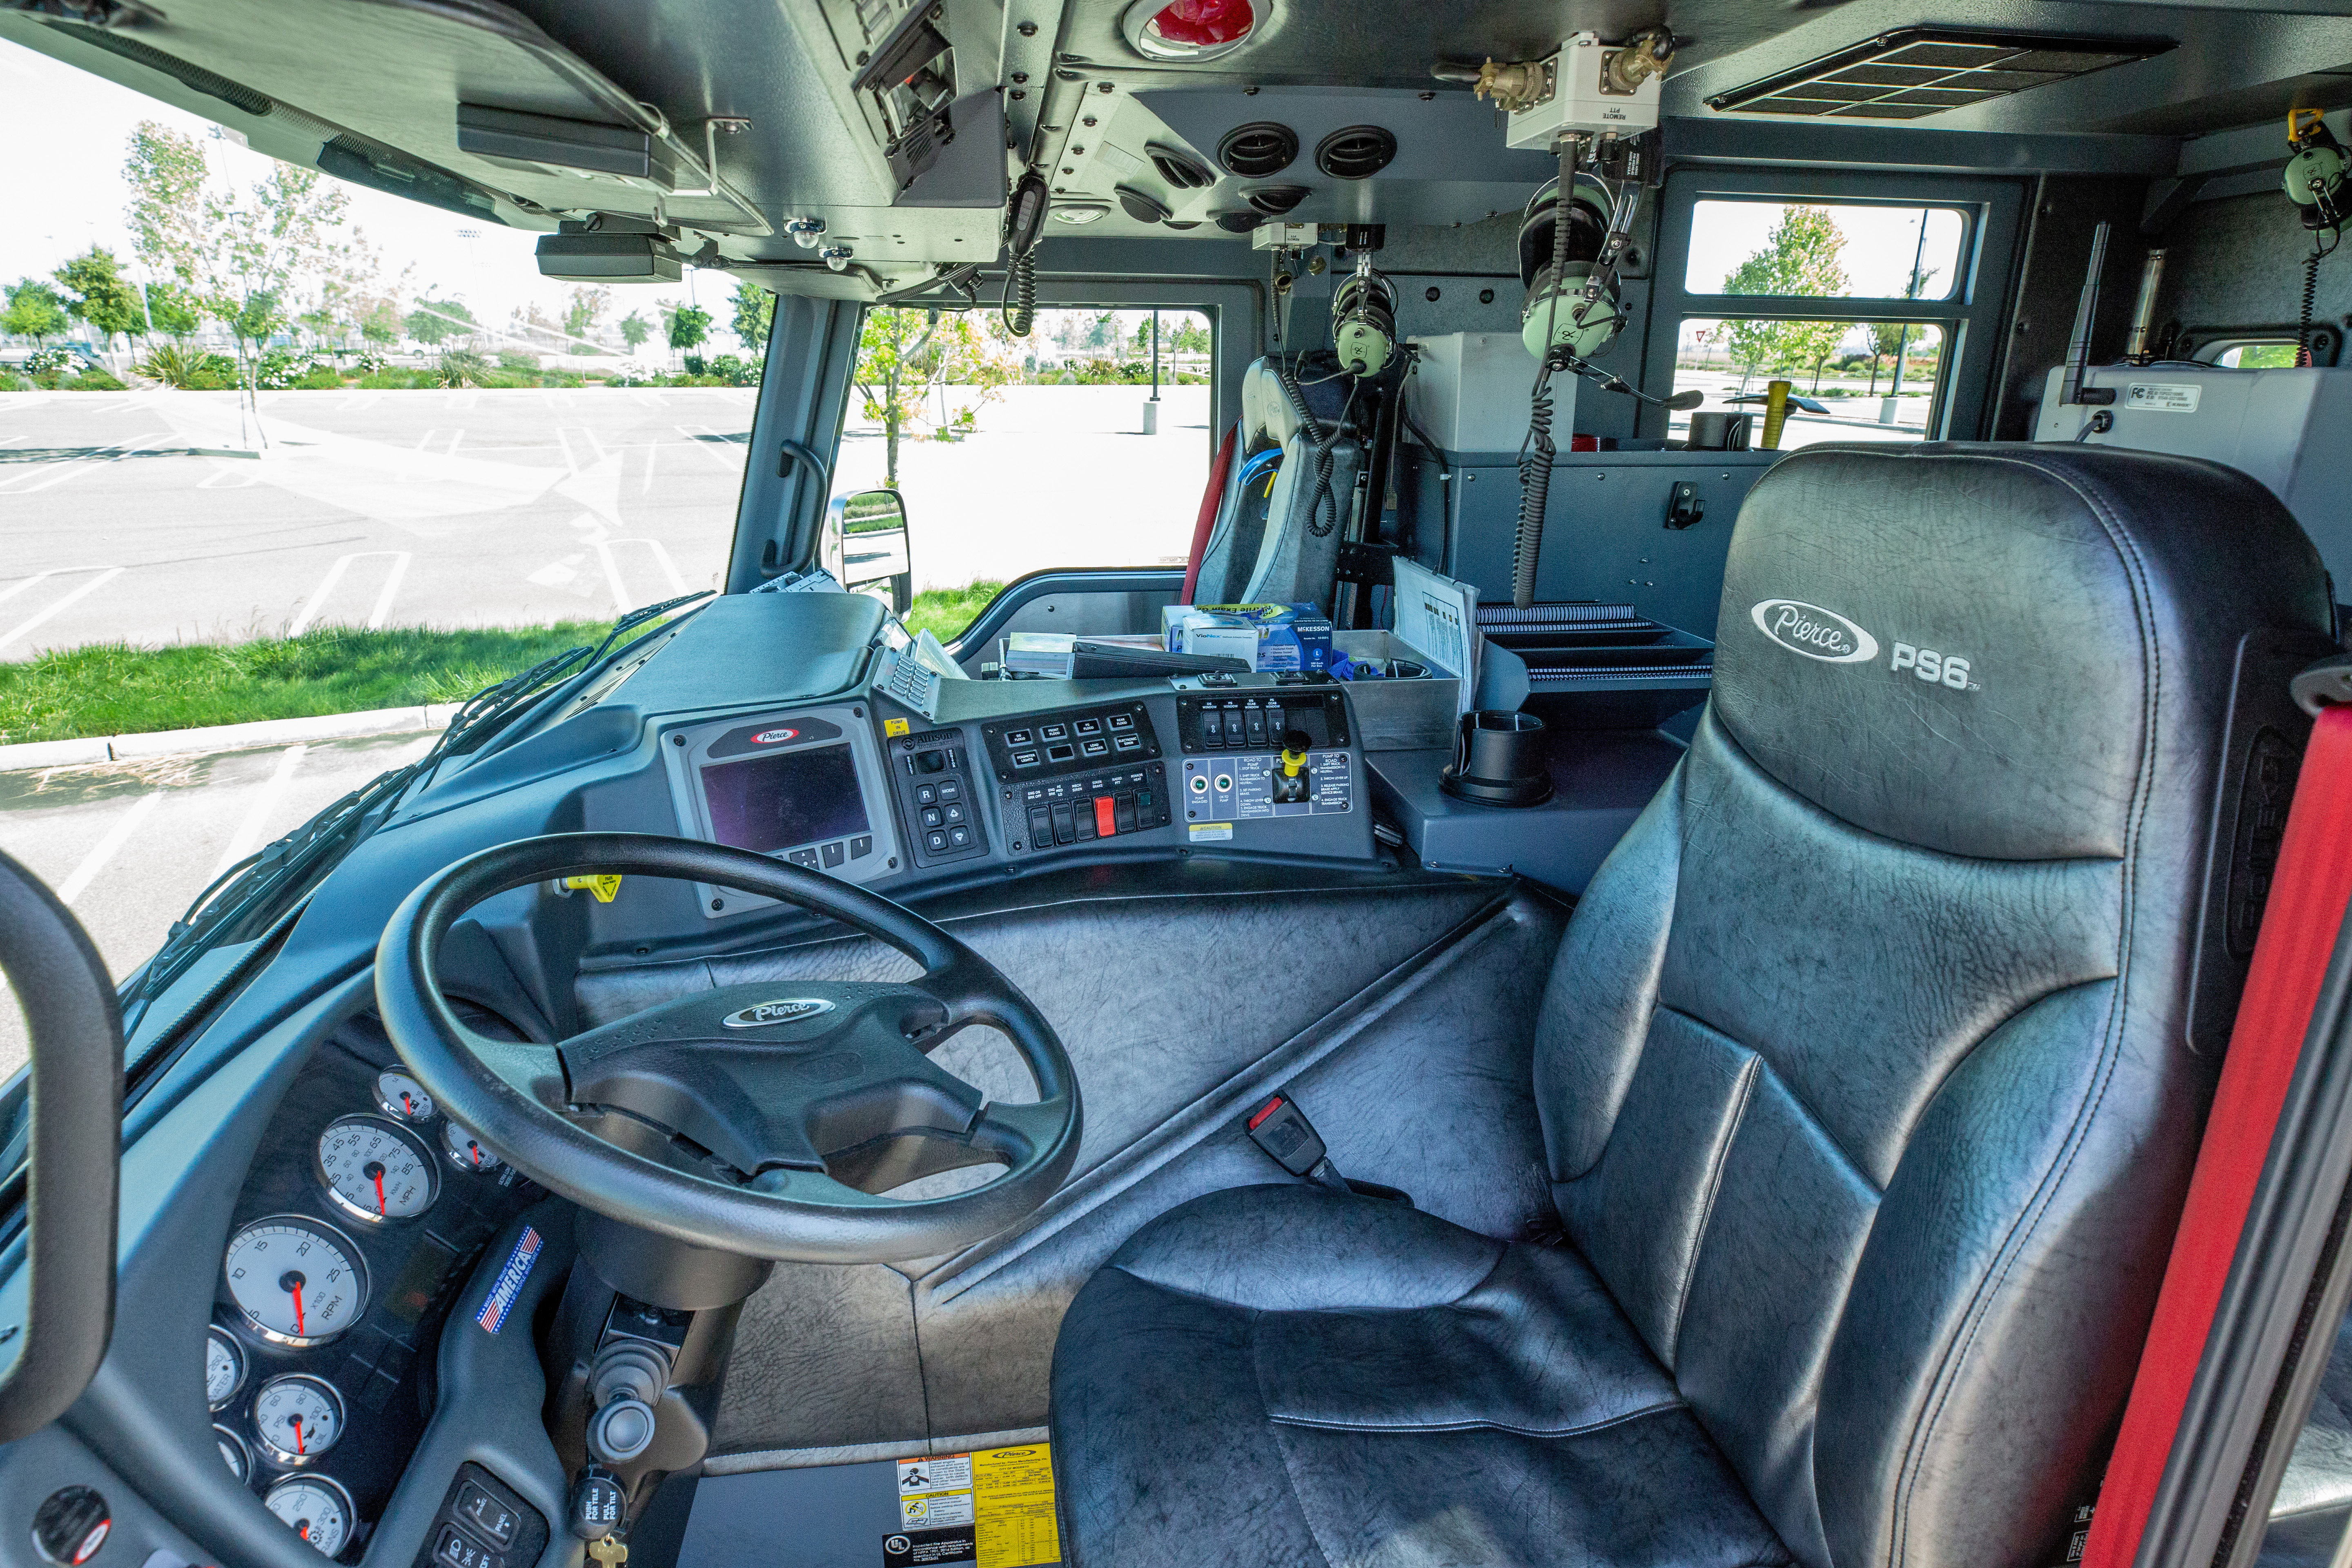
(1210, 499)
(2299, 923)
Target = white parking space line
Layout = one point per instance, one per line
(709, 448)
(653, 448)
(49, 476)
(661, 560)
(309, 612)
(105, 574)
(107, 847)
(248, 837)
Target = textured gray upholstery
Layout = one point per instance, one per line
(1864, 1079)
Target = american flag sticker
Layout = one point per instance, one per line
(510, 1282)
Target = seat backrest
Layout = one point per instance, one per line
(1865, 1067)
(1307, 514)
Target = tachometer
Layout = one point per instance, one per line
(402, 1097)
(296, 1417)
(376, 1172)
(316, 1509)
(296, 1281)
(233, 1452)
(223, 1366)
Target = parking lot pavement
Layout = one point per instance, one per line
(128, 845)
(517, 506)
(460, 508)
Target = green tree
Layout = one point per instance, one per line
(587, 306)
(635, 329)
(173, 311)
(755, 316)
(1801, 255)
(34, 311)
(1889, 339)
(380, 324)
(96, 292)
(436, 321)
(688, 326)
(903, 354)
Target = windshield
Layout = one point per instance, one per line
(275, 448)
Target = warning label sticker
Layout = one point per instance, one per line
(993, 1509)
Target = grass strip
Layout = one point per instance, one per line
(113, 689)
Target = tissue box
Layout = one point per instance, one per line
(1270, 636)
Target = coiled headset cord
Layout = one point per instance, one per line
(1021, 286)
(1537, 451)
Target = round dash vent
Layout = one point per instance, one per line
(1238, 223)
(1141, 205)
(1181, 170)
(1355, 153)
(1258, 150)
(1275, 200)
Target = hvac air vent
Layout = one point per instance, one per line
(1355, 153)
(1920, 71)
(1275, 200)
(1258, 151)
(1141, 205)
(1181, 169)
(1238, 223)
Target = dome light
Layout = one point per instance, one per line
(1189, 30)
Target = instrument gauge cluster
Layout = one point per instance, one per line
(364, 1212)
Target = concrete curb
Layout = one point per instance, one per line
(35, 755)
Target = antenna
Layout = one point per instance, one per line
(2078, 350)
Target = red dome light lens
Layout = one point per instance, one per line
(1202, 24)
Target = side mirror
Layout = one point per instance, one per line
(865, 543)
(58, 1313)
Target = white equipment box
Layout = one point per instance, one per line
(1470, 389)
(2290, 429)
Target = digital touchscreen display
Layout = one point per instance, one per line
(774, 803)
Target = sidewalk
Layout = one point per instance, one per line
(35, 755)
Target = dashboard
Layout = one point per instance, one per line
(763, 721)
(362, 1212)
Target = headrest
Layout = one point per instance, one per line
(1253, 404)
(1274, 417)
(1991, 650)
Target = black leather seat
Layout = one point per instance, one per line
(1865, 1076)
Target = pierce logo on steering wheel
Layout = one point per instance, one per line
(786, 1010)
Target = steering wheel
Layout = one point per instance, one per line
(760, 1120)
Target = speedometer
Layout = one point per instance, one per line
(374, 1171)
(316, 1509)
(297, 1281)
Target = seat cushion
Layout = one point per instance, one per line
(1285, 1374)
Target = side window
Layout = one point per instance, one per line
(1083, 445)
(1857, 292)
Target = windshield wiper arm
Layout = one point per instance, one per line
(249, 897)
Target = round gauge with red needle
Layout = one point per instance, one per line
(402, 1097)
(298, 1417)
(297, 1281)
(376, 1172)
(316, 1509)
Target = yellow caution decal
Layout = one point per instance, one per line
(895, 726)
(1013, 1489)
(604, 884)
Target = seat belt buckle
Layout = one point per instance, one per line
(1282, 1129)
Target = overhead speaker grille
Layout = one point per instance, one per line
(1355, 153)
(1918, 71)
(1275, 200)
(1258, 150)
(1180, 169)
